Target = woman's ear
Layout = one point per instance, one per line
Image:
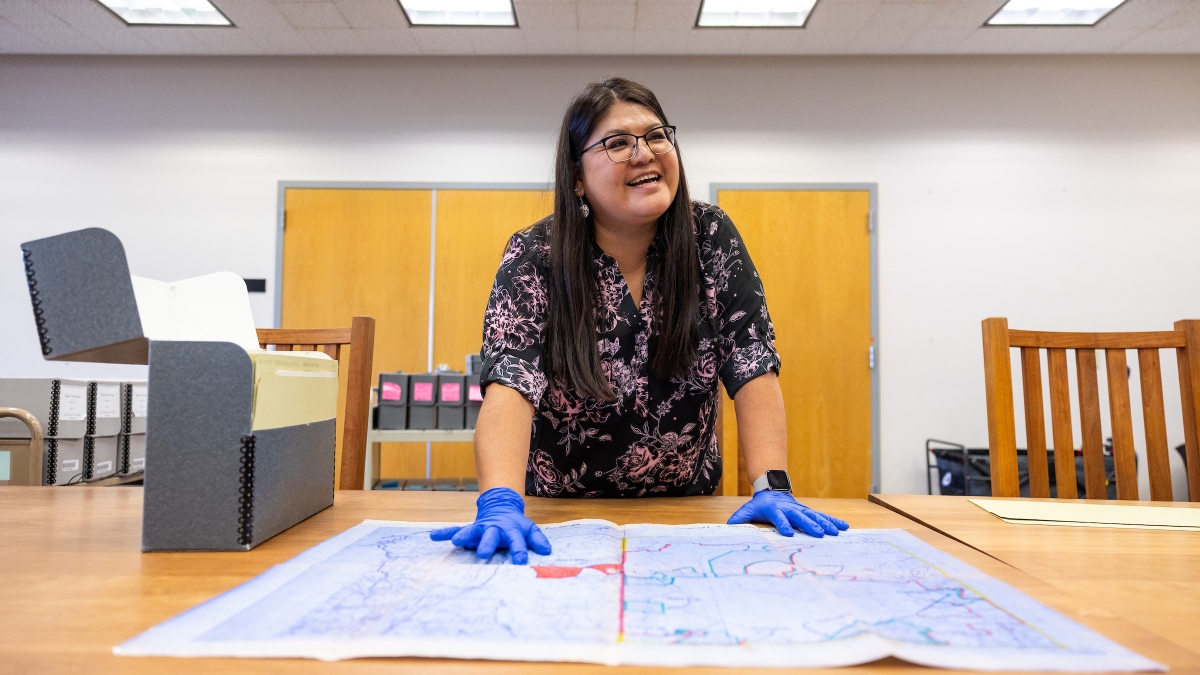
(578, 187)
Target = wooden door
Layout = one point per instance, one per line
(350, 252)
(473, 227)
(812, 251)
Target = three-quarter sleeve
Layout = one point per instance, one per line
(515, 322)
(739, 305)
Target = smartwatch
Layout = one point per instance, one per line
(773, 480)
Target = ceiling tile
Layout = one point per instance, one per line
(550, 41)
(497, 41)
(659, 42)
(843, 15)
(372, 13)
(432, 40)
(27, 14)
(964, 14)
(901, 15)
(323, 14)
(716, 40)
(824, 41)
(607, 15)
(936, 41)
(770, 41)
(605, 41)
(661, 16)
(545, 16)
(14, 40)
(880, 41)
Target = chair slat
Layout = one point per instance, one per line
(1089, 424)
(1158, 463)
(283, 348)
(1060, 418)
(1047, 340)
(1122, 423)
(298, 336)
(1189, 392)
(1002, 434)
(1035, 421)
(304, 348)
(332, 350)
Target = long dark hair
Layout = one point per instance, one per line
(571, 352)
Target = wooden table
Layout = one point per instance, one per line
(1150, 577)
(74, 583)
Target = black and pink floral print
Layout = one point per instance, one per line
(657, 438)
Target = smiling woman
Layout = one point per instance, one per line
(610, 327)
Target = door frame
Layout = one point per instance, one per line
(873, 237)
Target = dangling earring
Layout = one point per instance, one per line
(583, 208)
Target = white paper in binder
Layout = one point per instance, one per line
(210, 308)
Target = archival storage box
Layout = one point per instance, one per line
(212, 483)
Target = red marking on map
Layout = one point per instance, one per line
(557, 572)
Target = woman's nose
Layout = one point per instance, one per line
(641, 152)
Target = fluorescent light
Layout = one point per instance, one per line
(755, 13)
(167, 12)
(459, 12)
(1053, 12)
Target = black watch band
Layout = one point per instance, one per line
(773, 480)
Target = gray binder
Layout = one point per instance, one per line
(211, 484)
(60, 405)
(131, 441)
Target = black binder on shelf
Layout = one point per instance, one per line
(422, 401)
(131, 440)
(103, 425)
(451, 399)
(211, 484)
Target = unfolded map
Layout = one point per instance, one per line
(689, 595)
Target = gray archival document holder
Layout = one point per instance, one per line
(211, 484)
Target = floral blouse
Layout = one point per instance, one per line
(657, 438)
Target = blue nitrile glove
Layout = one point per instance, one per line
(784, 512)
(499, 523)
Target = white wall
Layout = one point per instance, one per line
(1061, 192)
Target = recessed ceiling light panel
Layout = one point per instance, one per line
(167, 12)
(754, 13)
(1053, 12)
(459, 12)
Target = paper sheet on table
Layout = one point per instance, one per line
(1029, 512)
(651, 595)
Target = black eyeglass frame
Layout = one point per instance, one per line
(636, 138)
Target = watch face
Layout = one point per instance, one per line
(779, 481)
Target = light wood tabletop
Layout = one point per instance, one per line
(1150, 577)
(73, 582)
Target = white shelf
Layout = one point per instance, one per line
(420, 436)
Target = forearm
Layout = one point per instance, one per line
(502, 439)
(762, 425)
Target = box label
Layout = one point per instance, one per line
(451, 392)
(72, 403)
(422, 391)
(390, 391)
(70, 465)
(475, 393)
(140, 397)
(104, 467)
(108, 400)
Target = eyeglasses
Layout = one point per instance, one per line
(623, 147)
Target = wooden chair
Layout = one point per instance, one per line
(25, 457)
(998, 339)
(360, 337)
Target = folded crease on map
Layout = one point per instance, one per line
(659, 595)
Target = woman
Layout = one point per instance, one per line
(607, 329)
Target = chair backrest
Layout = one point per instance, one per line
(998, 339)
(356, 363)
(25, 460)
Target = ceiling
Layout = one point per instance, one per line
(625, 27)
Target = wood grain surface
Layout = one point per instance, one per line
(75, 583)
(1149, 577)
(812, 251)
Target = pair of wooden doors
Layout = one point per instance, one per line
(422, 262)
